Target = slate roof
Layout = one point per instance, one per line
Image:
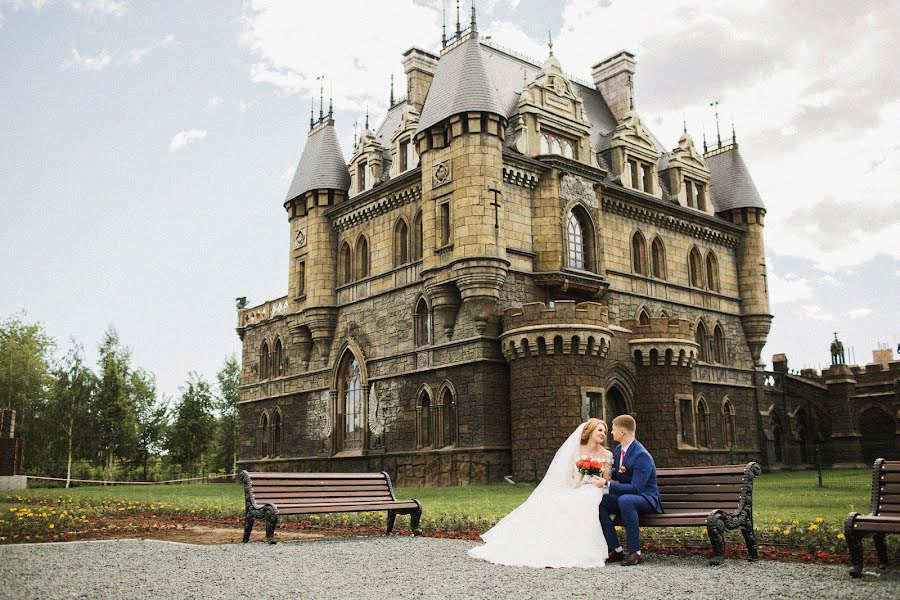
(322, 165)
(460, 85)
(730, 183)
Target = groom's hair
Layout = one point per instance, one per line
(626, 422)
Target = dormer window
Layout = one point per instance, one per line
(696, 194)
(552, 143)
(641, 175)
(362, 179)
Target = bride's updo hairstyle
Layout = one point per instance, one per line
(589, 428)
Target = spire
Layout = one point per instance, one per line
(474, 25)
(550, 41)
(312, 112)
(733, 135)
(321, 79)
(715, 105)
(705, 149)
(322, 164)
(443, 25)
(684, 124)
(330, 106)
(354, 135)
(458, 26)
(392, 90)
(367, 117)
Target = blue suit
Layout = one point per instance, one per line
(631, 493)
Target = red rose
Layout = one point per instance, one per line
(596, 464)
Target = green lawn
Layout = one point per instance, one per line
(789, 495)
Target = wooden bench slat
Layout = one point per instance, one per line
(891, 467)
(267, 475)
(721, 470)
(333, 502)
(890, 478)
(341, 499)
(314, 482)
(309, 509)
(330, 488)
(700, 489)
(313, 493)
(705, 498)
(706, 480)
(700, 506)
(877, 527)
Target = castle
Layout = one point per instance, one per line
(509, 252)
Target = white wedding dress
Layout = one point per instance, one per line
(557, 526)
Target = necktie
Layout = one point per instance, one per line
(622, 460)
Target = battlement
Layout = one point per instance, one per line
(663, 342)
(563, 312)
(662, 327)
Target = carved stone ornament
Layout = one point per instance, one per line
(323, 419)
(441, 174)
(300, 238)
(574, 188)
(376, 413)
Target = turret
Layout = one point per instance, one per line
(460, 142)
(321, 181)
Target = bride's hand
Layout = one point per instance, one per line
(598, 481)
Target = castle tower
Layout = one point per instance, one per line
(737, 199)
(321, 181)
(460, 144)
(664, 353)
(570, 341)
(846, 439)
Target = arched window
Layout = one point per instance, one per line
(728, 426)
(580, 239)
(658, 259)
(424, 421)
(644, 318)
(712, 272)
(264, 360)
(423, 324)
(362, 257)
(777, 437)
(262, 435)
(417, 237)
(718, 345)
(401, 243)
(278, 359)
(276, 437)
(702, 424)
(350, 403)
(615, 404)
(638, 254)
(702, 339)
(695, 267)
(345, 274)
(449, 418)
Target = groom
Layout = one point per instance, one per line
(632, 492)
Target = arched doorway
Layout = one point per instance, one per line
(879, 435)
(777, 437)
(615, 404)
(804, 437)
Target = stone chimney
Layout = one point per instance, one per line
(614, 78)
(419, 67)
(882, 356)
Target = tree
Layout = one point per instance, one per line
(114, 415)
(227, 428)
(151, 418)
(193, 427)
(70, 404)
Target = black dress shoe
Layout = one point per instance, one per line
(615, 556)
(632, 558)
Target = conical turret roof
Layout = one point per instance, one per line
(730, 181)
(322, 164)
(460, 85)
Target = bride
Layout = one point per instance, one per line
(558, 525)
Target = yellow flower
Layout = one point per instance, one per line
(786, 532)
(812, 527)
(778, 520)
(840, 536)
(795, 522)
(776, 528)
(13, 509)
(819, 519)
(52, 525)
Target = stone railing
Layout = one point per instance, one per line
(378, 284)
(263, 312)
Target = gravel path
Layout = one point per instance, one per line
(380, 567)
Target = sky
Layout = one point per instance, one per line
(147, 147)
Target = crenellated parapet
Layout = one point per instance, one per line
(662, 342)
(567, 327)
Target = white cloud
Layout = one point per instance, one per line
(183, 138)
(214, 101)
(136, 55)
(789, 288)
(96, 63)
(858, 313)
(816, 312)
(116, 8)
(244, 106)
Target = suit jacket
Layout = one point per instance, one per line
(639, 477)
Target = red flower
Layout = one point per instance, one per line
(596, 464)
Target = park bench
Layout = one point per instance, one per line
(719, 498)
(884, 519)
(267, 496)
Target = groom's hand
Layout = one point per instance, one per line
(598, 481)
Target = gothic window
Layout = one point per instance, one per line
(702, 339)
(401, 243)
(580, 240)
(262, 435)
(276, 437)
(350, 403)
(718, 345)
(423, 324)
(444, 233)
(633, 168)
(728, 426)
(658, 259)
(644, 318)
(345, 274)
(702, 424)
(417, 237)
(686, 420)
(552, 143)
(638, 254)
(278, 362)
(424, 421)
(647, 180)
(404, 155)
(362, 176)
(301, 277)
(695, 267)
(595, 405)
(712, 272)
(615, 404)
(449, 417)
(264, 361)
(362, 257)
(689, 192)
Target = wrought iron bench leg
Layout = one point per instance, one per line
(881, 549)
(271, 518)
(854, 545)
(750, 540)
(414, 517)
(391, 517)
(715, 529)
(248, 527)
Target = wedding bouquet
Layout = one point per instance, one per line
(589, 467)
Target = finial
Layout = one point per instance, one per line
(392, 89)
(458, 26)
(630, 94)
(715, 105)
(367, 117)
(684, 123)
(354, 134)
(733, 135)
(705, 150)
(312, 112)
(443, 25)
(321, 79)
(550, 41)
(474, 24)
(330, 107)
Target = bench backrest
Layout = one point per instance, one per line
(313, 488)
(886, 488)
(704, 489)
